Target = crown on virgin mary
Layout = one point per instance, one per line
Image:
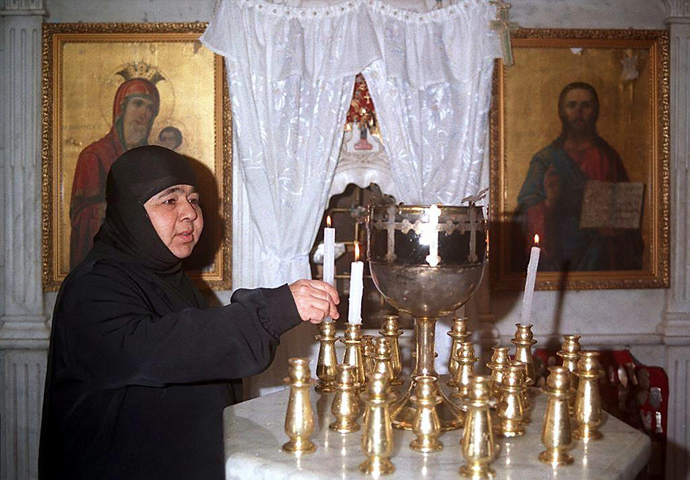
(141, 70)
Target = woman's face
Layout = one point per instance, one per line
(176, 215)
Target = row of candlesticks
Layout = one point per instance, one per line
(488, 406)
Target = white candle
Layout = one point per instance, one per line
(329, 253)
(329, 256)
(529, 283)
(356, 289)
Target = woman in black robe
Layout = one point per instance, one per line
(139, 368)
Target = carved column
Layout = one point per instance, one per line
(675, 325)
(24, 333)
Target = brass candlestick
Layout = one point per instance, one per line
(459, 333)
(345, 405)
(556, 434)
(464, 373)
(526, 404)
(498, 364)
(425, 423)
(523, 341)
(377, 436)
(510, 409)
(570, 353)
(478, 447)
(390, 330)
(368, 354)
(299, 419)
(354, 352)
(325, 366)
(588, 399)
(382, 357)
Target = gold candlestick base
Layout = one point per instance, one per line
(556, 457)
(377, 466)
(450, 416)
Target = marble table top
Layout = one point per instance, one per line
(254, 434)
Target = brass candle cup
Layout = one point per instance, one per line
(354, 352)
(459, 333)
(299, 418)
(464, 374)
(390, 330)
(588, 414)
(382, 357)
(425, 423)
(345, 406)
(524, 341)
(510, 409)
(477, 445)
(556, 433)
(570, 353)
(498, 364)
(377, 433)
(327, 362)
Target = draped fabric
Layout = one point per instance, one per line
(432, 93)
(291, 75)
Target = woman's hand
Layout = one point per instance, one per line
(315, 300)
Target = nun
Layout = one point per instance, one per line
(139, 367)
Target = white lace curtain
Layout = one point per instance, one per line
(291, 74)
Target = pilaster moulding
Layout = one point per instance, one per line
(24, 333)
(24, 379)
(678, 435)
(22, 8)
(677, 9)
(675, 328)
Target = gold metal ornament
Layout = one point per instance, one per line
(477, 444)
(354, 352)
(588, 413)
(498, 364)
(345, 407)
(382, 357)
(425, 423)
(377, 434)
(556, 434)
(459, 333)
(390, 330)
(368, 353)
(299, 419)
(462, 380)
(570, 353)
(510, 409)
(327, 362)
(523, 341)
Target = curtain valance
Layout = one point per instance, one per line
(332, 42)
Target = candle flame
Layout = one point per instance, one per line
(328, 221)
(536, 239)
(356, 251)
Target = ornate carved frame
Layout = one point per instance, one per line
(218, 274)
(655, 45)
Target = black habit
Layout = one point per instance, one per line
(139, 368)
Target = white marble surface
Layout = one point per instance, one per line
(254, 435)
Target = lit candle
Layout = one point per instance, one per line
(329, 255)
(356, 289)
(529, 283)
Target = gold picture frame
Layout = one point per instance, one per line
(557, 170)
(90, 73)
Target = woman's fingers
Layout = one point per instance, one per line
(315, 300)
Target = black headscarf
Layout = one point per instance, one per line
(127, 235)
